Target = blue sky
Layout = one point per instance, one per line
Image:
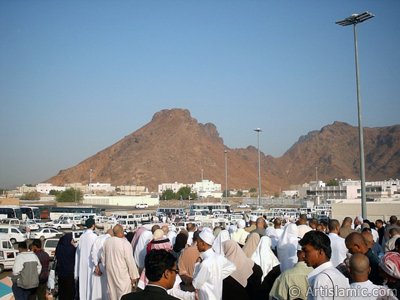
(77, 76)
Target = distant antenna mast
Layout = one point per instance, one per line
(202, 171)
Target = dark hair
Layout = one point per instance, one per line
(156, 262)
(318, 240)
(37, 243)
(196, 235)
(22, 245)
(180, 241)
(397, 242)
(129, 236)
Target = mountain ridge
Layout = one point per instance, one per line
(174, 146)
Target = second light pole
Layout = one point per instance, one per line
(258, 130)
(226, 175)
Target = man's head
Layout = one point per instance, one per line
(334, 226)
(165, 228)
(277, 222)
(154, 228)
(302, 219)
(359, 267)
(379, 223)
(393, 220)
(118, 231)
(369, 238)
(89, 223)
(36, 245)
(358, 220)
(161, 268)
(22, 246)
(317, 248)
(261, 223)
(355, 243)
(190, 227)
(313, 223)
(394, 231)
(206, 239)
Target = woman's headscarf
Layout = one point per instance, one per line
(244, 265)
(251, 244)
(181, 241)
(65, 254)
(287, 247)
(222, 237)
(135, 239)
(264, 257)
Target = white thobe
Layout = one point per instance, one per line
(339, 250)
(209, 274)
(99, 283)
(368, 291)
(303, 229)
(83, 263)
(326, 282)
(120, 266)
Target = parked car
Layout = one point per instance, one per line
(141, 205)
(10, 222)
(31, 224)
(7, 255)
(12, 234)
(63, 224)
(45, 233)
(76, 235)
(49, 246)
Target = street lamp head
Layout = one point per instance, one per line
(258, 129)
(355, 19)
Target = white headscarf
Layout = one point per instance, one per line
(222, 237)
(287, 247)
(140, 251)
(264, 257)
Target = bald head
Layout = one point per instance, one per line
(369, 238)
(333, 226)
(359, 265)
(118, 230)
(355, 243)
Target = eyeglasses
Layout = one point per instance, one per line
(175, 270)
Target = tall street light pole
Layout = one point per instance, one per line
(226, 175)
(354, 20)
(258, 130)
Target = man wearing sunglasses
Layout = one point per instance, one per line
(161, 270)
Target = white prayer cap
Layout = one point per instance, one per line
(241, 224)
(207, 236)
(253, 218)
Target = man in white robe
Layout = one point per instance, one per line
(211, 269)
(99, 279)
(121, 269)
(83, 263)
(338, 245)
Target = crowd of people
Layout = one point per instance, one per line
(303, 259)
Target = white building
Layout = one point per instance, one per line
(101, 187)
(45, 188)
(207, 188)
(171, 186)
(131, 190)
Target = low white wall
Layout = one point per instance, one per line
(120, 200)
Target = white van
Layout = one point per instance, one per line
(12, 234)
(7, 255)
(127, 224)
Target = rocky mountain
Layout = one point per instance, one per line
(175, 147)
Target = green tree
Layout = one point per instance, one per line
(332, 182)
(239, 193)
(253, 190)
(168, 195)
(54, 192)
(31, 196)
(70, 195)
(224, 194)
(183, 193)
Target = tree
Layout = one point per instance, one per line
(226, 193)
(70, 195)
(168, 195)
(332, 182)
(54, 192)
(31, 196)
(239, 193)
(253, 190)
(184, 193)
